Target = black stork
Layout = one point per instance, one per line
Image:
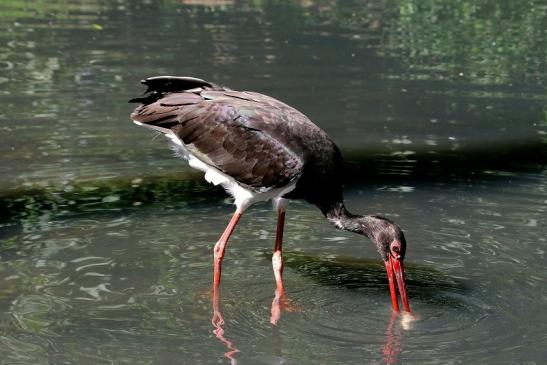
(260, 149)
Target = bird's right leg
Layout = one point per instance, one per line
(220, 246)
(277, 258)
(277, 265)
(280, 301)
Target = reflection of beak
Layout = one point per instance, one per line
(396, 273)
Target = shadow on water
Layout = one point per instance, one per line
(103, 196)
(362, 167)
(424, 284)
(480, 162)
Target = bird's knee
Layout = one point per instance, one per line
(277, 261)
(218, 252)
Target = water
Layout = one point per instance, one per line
(106, 240)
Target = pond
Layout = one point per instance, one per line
(106, 239)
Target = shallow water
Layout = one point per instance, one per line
(105, 251)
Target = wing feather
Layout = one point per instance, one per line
(222, 128)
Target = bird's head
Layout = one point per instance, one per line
(391, 244)
(388, 237)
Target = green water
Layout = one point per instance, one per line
(106, 239)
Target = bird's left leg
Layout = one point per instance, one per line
(220, 246)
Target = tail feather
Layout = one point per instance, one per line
(163, 105)
(174, 83)
(160, 85)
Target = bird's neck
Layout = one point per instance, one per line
(336, 212)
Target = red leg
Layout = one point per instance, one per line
(277, 259)
(220, 247)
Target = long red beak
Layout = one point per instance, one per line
(396, 273)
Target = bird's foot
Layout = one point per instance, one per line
(282, 303)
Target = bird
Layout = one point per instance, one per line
(259, 149)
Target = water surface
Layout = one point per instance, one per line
(106, 239)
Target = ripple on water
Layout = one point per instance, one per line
(39, 313)
(335, 319)
(450, 315)
(139, 286)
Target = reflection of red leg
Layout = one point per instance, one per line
(392, 348)
(221, 246)
(217, 320)
(282, 303)
(218, 324)
(277, 303)
(277, 259)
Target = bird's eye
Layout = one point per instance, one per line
(395, 248)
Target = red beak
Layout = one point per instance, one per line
(396, 273)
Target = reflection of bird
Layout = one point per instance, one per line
(258, 149)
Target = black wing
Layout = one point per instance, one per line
(232, 131)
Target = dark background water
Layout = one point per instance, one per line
(438, 107)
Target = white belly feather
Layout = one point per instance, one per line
(243, 197)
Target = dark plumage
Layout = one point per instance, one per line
(258, 140)
(263, 145)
